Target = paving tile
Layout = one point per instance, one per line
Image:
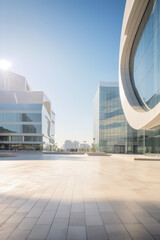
(77, 219)
(96, 233)
(8, 211)
(3, 206)
(58, 230)
(63, 211)
(117, 231)
(143, 217)
(61, 221)
(35, 212)
(127, 217)
(19, 234)
(115, 228)
(16, 218)
(46, 217)
(105, 207)
(76, 232)
(39, 232)
(3, 218)
(118, 206)
(110, 218)
(93, 220)
(91, 209)
(157, 237)
(137, 231)
(18, 203)
(6, 230)
(52, 206)
(154, 229)
(77, 207)
(27, 206)
(27, 223)
(119, 236)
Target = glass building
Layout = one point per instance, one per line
(145, 57)
(112, 133)
(27, 121)
(139, 66)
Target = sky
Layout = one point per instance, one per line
(64, 48)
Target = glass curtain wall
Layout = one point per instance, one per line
(17, 122)
(145, 57)
(145, 71)
(96, 122)
(115, 135)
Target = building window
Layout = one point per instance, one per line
(145, 57)
(20, 117)
(4, 138)
(32, 138)
(16, 138)
(17, 128)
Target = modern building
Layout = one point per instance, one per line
(85, 146)
(139, 70)
(112, 133)
(76, 145)
(27, 121)
(68, 145)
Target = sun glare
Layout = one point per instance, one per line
(4, 64)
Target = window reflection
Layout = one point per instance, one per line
(145, 71)
(20, 117)
(13, 128)
(145, 57)
(115, 135)
(32, 138)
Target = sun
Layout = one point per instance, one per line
(4, 64)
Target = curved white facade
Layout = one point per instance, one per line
(137, 116)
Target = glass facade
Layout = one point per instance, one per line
(20, 117)
(145, 72)
(145, 57)
(18, 128)
(111, 130)
(21, 107)
(16, 138)
(14, 119)
(25, 124)
(33, 138)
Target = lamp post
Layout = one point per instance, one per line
(94, 144)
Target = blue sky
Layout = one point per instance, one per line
(64, 48)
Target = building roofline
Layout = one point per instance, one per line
(108, 84)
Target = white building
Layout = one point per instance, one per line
(139, 68)
(26, 117)
(84, 146)
(68, 145)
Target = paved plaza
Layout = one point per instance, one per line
(79, 197)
